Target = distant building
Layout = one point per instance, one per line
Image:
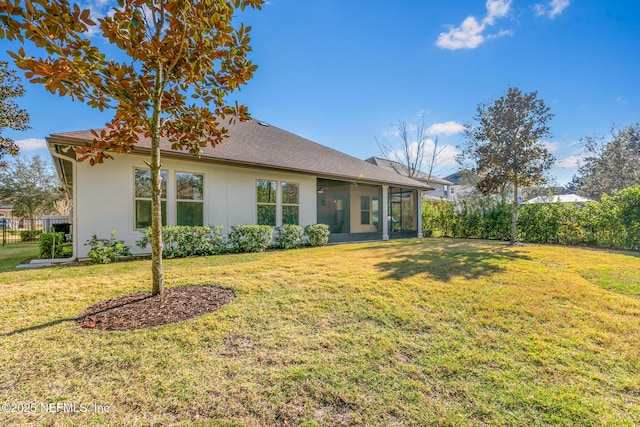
(440, 187)
(460, 188)
(562, 198)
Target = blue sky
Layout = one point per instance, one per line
(342, 73)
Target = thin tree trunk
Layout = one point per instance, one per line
(514, 213)
(156, 193)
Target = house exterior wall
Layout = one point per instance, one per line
(438, 191)
(356, 193)
(105, 197)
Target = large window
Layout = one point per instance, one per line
(189, 199)
(266, 192)
(142, 178)
(290, 203)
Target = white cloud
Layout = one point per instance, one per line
(496, 9)
(31, 144)
(446, 154)
(445, 128)
(553, 9)
(551, 146)
(469, 34)
(569, 162)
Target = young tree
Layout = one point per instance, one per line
(11, 116)
(162, 52)
(610, 166)
(409, 154)
(31, 186)
(504, 145)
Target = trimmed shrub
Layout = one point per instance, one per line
(289, 236)
(106, 251)
(51, 245)
(249, 238)
(183, 240)
(30, 235)
(317, 234)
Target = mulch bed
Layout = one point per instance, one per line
(141, 310)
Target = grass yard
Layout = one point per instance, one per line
(13, 254)
(411, 332)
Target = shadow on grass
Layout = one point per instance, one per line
(71, 319)
(443, 260)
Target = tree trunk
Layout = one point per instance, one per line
(157, 276)
(514, 213)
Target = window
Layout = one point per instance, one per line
(266, 192)
(142, 196)
(365, 210)
(290, 203)
(189, 199)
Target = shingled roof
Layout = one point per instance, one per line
(255, 143)
(399, 168)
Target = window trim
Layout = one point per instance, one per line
(274, 203)
(136, 198)
(367, 211)
(283, 204)
(201, 200)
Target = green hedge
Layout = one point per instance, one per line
(613, 222)
(183, 241)
(249, 238)
(51, 245)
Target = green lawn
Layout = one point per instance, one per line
(412, 332)
(13, 254)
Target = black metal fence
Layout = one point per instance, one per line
(26, 230)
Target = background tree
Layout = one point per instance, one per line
(504, 145)
(162, 53)
(31, 186)
(610, 166)
(11, 116)
(412, 153)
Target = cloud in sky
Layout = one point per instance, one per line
(31, 144)
(469, 34)
(551, 146)
(446, 157)
(552, 9)
(569, 162)
(445, 128)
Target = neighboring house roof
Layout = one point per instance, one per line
(563, 198)
(456, 178)
(255, 143)
(399, 168)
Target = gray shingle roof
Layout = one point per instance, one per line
(397, 167)
(255, 143)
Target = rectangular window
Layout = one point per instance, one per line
(142, 196)
(365, 210)
(189, 198)
(290, 203)
(266, 197)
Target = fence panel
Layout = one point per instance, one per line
(27, 230)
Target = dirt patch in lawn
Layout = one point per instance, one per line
(141, 310)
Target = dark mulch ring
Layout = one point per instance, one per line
(141, 310)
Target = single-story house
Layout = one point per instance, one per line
(439, 187)
(259, 175)
(562, 198)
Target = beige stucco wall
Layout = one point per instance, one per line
(356, 192)
(104, 196)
